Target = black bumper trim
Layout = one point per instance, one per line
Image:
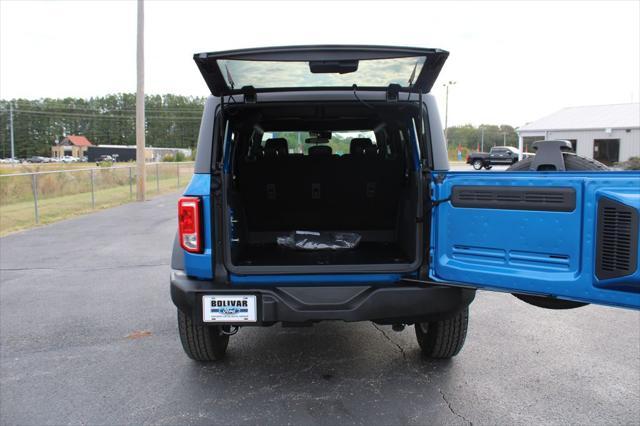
(389, 304)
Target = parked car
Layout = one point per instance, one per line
(69, 159)
(273, 230)
(498, 155)
(105, 159)
(38, 159)
(9, 161)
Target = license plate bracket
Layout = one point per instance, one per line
(229, 308)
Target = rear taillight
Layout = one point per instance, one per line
(189, 224)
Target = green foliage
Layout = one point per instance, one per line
(469, 138)
(171, 121)
(179, 156)
(632, 163)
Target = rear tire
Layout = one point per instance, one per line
(572, 162)
(477, 164)
(201, 343)
(444, 338)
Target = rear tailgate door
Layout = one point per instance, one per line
(567, 235)
(334, 67)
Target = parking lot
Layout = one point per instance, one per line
(88, 335)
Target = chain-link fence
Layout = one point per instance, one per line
(28, 199)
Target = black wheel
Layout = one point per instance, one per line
(572, 162)
(201, 343)
(477, 164)
(445, 338)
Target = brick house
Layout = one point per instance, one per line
(73, 145)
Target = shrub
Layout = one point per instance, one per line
(179, 156)
(632, 163)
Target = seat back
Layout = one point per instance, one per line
(320, 151)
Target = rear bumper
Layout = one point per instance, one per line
(397, 303)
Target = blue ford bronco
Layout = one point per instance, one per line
(322, 191)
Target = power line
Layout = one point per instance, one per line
(86, 108)
(101, 116)
(111, 111)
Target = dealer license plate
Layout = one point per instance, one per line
(240, 308)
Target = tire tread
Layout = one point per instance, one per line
(444, 338)
(571, 162)
(201, 343)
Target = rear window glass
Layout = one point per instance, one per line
(340, 142)
(271, 74)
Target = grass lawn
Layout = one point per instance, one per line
(17, 212)
(6, 169)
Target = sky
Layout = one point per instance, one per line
(513, 62)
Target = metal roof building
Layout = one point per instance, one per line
(607, 133)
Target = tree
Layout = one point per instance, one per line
(171, 121)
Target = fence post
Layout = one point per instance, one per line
(130, 183)
(34, 187)
(93, 195)
(178, 173)
(157, 178)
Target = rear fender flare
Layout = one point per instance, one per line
(177, 255)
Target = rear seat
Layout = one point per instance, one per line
(287, 192)
(320, 151)
(261, 185)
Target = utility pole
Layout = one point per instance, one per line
(481, 138)
(13, 149)
(504, 139)
(140, 122)
(446, 105)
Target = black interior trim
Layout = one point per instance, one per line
(514, 198)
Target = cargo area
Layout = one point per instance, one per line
(322, 169)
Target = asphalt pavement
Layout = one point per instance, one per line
(88, 335)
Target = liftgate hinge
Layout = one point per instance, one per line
(436, 203)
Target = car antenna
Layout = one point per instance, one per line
(355, 88)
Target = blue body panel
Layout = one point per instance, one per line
(536, 252)
(200, 265)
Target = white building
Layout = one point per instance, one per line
(607, 133)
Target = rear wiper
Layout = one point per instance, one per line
(231, 83)
(413, 74)
(229, 78)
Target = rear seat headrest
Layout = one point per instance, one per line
(371, 151)
(276, 147)
(358, 145)
(320, 151)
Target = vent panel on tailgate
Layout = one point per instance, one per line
(617, 241)
(514, 198)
